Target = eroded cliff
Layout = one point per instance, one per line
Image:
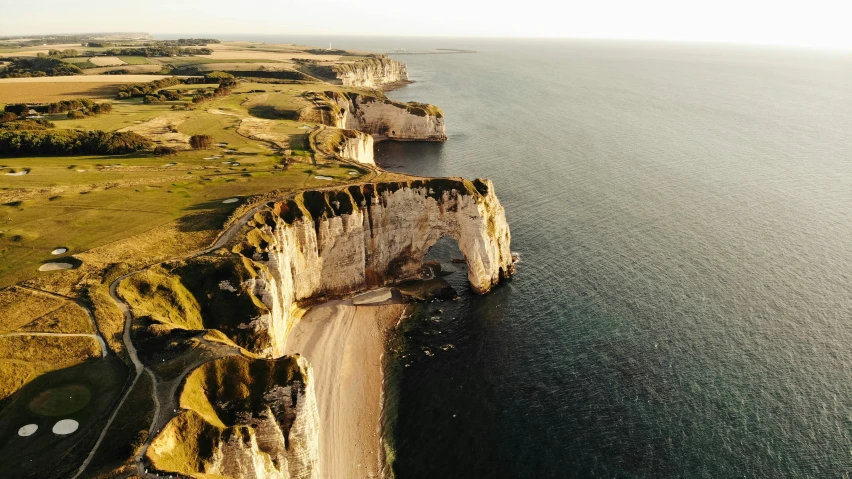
(371, 72)
(243, 418)
(376, 115)
(335, 242)
(342, 144)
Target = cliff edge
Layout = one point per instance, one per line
(338, 241)
(376, 115)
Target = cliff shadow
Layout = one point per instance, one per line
(209, 215)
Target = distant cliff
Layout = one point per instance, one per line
(376, 71)
(371, 72)
(376, 115)
(339, 241)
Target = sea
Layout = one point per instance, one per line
(682, 306)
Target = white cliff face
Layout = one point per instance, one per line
(342, 144)
(358, 149)
(375, 115)
(337, 242)
(386, 119)
(278, 441)
(372, 72)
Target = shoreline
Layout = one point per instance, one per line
(346, 345)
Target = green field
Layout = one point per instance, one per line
(44, 453)
(135, 60)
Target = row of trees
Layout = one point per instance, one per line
(144, 89)
(156, 51)
(84, 106)
(38, 67)
(69, 53)
(227, 83)
(69, 142)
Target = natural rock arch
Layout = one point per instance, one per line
(334, 242)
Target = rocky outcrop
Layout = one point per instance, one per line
(371, 72)
(341, 144)
(243, 418)
(376, 115)
(335, 242)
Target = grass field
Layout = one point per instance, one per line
(44, 451)
(135, 60)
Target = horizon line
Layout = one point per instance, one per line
(211, 35)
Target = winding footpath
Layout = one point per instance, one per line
(225, 237)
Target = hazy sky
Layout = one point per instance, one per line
(821, 23)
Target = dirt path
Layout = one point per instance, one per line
(140, 368)
(344, 344)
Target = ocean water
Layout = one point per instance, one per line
(683, 304)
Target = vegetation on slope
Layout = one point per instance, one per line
(38, 67)
(216, 399)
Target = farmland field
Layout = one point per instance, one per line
(47, 89)
(135, 60)
(106, 61)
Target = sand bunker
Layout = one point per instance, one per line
(59, 251)
(235, 163)
(18, 173)
(170, 164)
(55, 266)
(353, 172)
(81, 171)
(264, 130)
(27, 430)
(65, 426)
(327, 178)
(231, 200)
(163, 130)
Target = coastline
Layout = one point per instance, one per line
(346, 345)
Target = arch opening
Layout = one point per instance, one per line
(443, 272)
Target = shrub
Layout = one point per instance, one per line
(75, 114)
(26, 124)
(164, 150)
(200, 142)
(17, 108)
(8, 116)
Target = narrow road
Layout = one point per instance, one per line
(140, 369)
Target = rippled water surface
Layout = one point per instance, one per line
(683, 307)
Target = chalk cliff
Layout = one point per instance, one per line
(376, 115)
(243, 418)
(342, 144)
(335, 242)
(371, 72)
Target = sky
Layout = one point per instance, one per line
(813, 23)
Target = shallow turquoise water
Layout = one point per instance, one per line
(683, 307)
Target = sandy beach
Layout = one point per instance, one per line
(345, 344)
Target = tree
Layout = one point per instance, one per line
(200, 142)
(164, 150)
